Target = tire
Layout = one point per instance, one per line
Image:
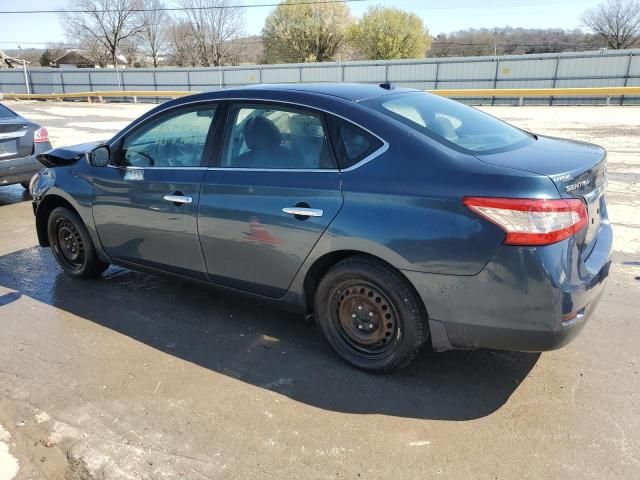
(72, 246)
(371, 315)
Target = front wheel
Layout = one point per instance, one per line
(72, 246)
(371, 315)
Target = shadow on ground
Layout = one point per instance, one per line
(260, 344)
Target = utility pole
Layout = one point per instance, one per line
(26, 76)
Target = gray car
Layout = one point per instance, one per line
(20, 141)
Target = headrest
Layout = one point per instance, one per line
(260, 132)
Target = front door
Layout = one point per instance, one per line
(274, 192)
(146, 203)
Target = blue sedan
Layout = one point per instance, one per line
(393, 217)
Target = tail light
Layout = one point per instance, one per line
(41, 135)
(531, 221)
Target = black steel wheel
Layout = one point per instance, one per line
(370, 314)
(69, 244)
(72, 246)
(364, 317)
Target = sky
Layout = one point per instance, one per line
(440, 16)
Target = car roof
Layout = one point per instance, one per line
(348, 91)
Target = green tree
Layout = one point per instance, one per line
(298, 32)
(388, 33)
(46, 58)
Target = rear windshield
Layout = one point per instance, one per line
(450, 122)
(5, 112)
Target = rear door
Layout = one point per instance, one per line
(145, 204)
(272, 193)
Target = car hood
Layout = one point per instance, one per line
(66, 155)
(576, 168)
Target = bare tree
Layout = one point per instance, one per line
(512, 41)
(182, 46)
(617, 21)
(154, 30)
(107, 23)
(214, 25)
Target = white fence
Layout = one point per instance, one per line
(583, 69)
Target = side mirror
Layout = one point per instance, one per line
(100, 156)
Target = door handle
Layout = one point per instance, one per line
(303, 212)
(178, 199)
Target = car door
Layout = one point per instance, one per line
(273, 191)
(145, 206)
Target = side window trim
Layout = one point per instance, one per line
(207, 151)
(226, 127)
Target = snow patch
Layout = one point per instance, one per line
(42, 417)
(9, 465)
(420, 443)
(63, 431)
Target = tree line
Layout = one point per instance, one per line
(212, 33)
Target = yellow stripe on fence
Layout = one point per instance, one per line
(467, 93)
(540, 92)
(122, 93)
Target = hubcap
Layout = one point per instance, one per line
(365, 317)
(70, 243)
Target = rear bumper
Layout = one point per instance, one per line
(518, 301)
(18, 170)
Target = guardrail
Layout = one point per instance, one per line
(89, 95)
(520, 93)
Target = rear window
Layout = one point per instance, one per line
(450, 122)
(5, 112)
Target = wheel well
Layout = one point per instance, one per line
(324, 263)
(45, 207)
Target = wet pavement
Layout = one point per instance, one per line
(138, 376)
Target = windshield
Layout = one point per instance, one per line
(450, 122)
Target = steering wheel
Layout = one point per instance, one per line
(152, 162)
(179, 155)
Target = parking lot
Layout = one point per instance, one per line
(137, 376)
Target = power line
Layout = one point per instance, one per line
(179, 9)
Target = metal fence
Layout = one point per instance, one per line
(558, 70)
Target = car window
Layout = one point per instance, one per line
(451, 122)
(174, 140)
(269, 137)
(5, 112)
(352, 143)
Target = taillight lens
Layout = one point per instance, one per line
(41, 135)
(531, 221)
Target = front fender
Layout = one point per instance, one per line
(68, 187)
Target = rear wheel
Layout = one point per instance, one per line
(370, 314)
(72, 246)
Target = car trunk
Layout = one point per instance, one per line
(578, 170)
(16, 138)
